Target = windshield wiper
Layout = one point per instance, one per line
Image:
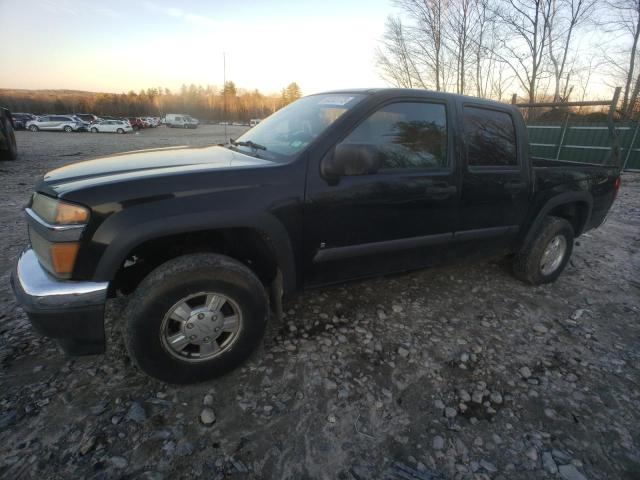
(248, 143)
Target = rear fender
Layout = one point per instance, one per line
(561, 199)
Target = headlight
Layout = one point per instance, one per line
(57, 212)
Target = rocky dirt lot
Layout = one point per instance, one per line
(457, 372)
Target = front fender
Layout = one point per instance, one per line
(121, 233)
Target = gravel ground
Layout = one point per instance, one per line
(457, 372)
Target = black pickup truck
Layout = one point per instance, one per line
(336, 186)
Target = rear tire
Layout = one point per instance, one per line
(190, 278)
(547, 254)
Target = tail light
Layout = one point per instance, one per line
(616, 187)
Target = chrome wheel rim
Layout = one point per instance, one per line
(201, 326)
(553, 255)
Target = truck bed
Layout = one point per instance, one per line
(556, 176)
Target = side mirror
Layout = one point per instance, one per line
(351, 159)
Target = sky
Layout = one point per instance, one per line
(115, 46)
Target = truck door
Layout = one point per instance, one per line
(398, 218)
(495, 181)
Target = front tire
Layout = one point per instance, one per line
(547, 254)
(34, 128)
(94, 130)
(194, 318)
(120, 130)
(68, 129)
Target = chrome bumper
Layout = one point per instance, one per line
(67, 310)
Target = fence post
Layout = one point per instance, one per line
(633, 140)
(564, 130)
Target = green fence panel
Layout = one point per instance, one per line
(584, 142)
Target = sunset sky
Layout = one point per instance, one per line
(115, 46)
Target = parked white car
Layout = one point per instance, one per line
(254, 121)
(180, 120)
(55, 122)
(111, 126)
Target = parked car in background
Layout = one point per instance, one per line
(65, 123)
(111, 126)
(8, 145)
(20, 120)
(87, 117)
(83, 126)
(137, 123)
(254, 121)
(180, 120)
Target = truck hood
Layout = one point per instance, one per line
(163, 161)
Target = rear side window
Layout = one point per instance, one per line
(411, 135)
(490, 137)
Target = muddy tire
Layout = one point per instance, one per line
(194, 318)
(547, 254)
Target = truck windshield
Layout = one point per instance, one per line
(292, 128)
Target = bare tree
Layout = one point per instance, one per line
(394, 57)
(524, 44)
(563, 19)
(461, 23)
(429, 18)
(625, 17)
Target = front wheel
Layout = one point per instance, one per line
(194, 318)
(94, 130)
(33, 128)
(68, 129)
(547, 254)
(120, 130)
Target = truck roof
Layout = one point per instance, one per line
(418, 92)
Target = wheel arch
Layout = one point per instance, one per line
(574, 207)
(260, 241)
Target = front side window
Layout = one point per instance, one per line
(292, 128)
(490, 136)
(409, 134)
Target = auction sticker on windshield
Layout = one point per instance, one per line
(335, 100)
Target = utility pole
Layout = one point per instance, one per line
(224, 95)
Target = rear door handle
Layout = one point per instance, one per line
(515, 185)
(441, 190)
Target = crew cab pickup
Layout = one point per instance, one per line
(336, 186)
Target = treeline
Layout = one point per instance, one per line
(206, 103)
(541, 49)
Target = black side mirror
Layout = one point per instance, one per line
(351, 159)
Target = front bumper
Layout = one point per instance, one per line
(70, 311)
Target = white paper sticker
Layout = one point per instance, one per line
(337, 100)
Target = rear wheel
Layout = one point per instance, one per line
(68, 129)
(195, 317)
(34, 128)
(547, 254)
